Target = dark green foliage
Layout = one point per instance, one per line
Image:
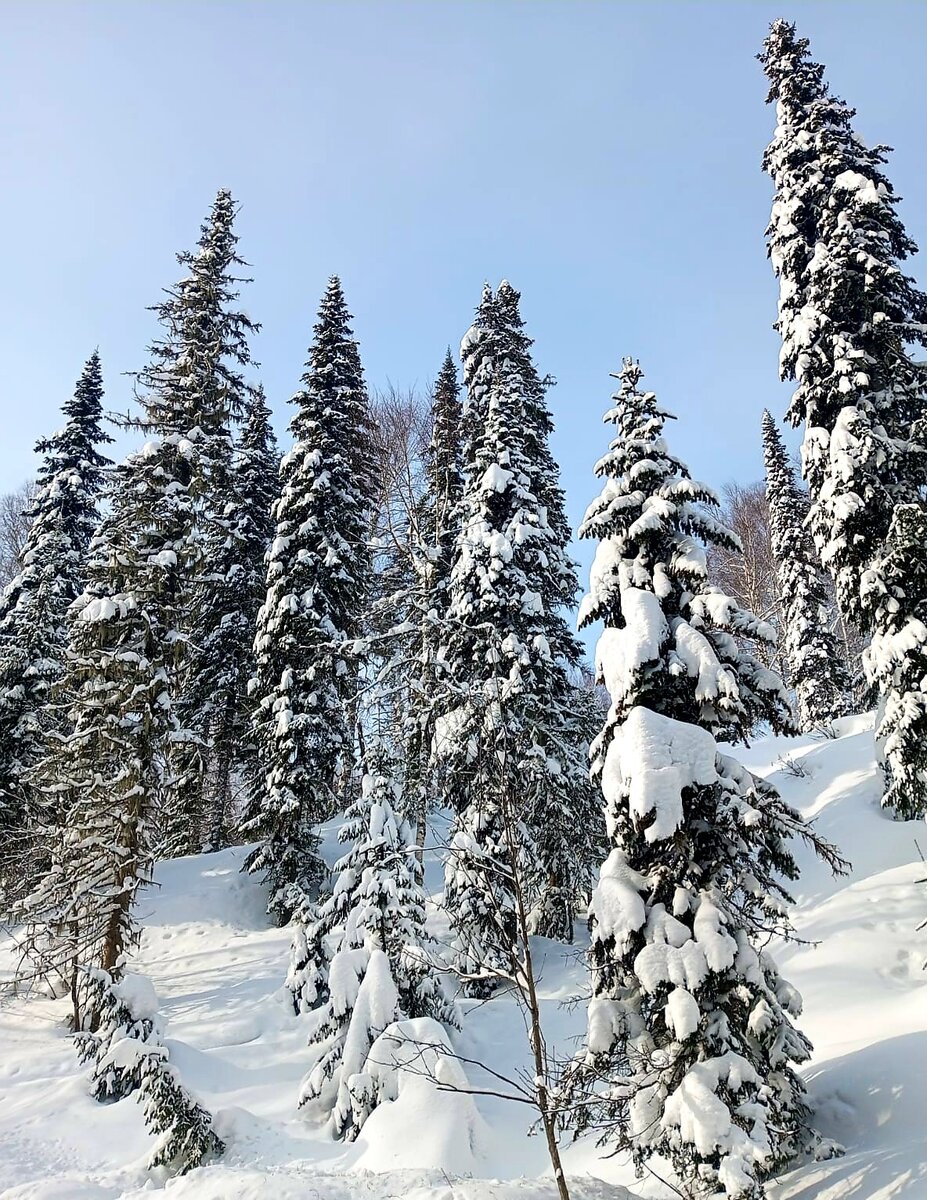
(508, 658)
(33, 620)
(318, 575)
(107, 776)
(128, 1057)
(193, 387)
(233, 591)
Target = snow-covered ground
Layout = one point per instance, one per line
(218, 968)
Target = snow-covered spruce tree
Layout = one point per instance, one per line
(107, 777)
(496, 661)
(128, 1055)
(848, 316)
(194, 386)
(691, 1051)
(234, 548)
(379, 972)
(444, 473)
(33, 614)
(433, 536)
(749, 693)
(478, 355)
(318, 569)
(567, 821)
(509, 656)
(817, 670)
(497, 342)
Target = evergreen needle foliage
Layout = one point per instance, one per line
(33, 622)
(194, 387)
(848, 316)
(691, 1052)
(318, 575)
(817, 669)
(379, 973)
(509, 660)
(107, 775)
(128, 1056)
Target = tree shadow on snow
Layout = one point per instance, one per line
(872, 1100)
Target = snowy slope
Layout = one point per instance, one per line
(863, 982)
(218, 967)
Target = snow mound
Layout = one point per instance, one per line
(409, 1062)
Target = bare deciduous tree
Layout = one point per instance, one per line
(14, 527)
(505, 887)
(402, 422)
(750, 577)
(401, 431)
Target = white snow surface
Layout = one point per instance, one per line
(652, 759)
(621, 653)
(217, 967)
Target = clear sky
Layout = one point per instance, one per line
(602, 156)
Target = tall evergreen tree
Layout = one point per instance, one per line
(108, 775)
(318, 570)
(444, 473)
(515, 347)
(433, 537)
(816, 666)
(235, 546)
(118, 775)
(33, 611)
(497, 342)
(493, 654)
(194, 386)
(848, 315)
(510, 657)
(478, 355)
(691, 1052)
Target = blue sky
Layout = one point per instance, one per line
(602, 156)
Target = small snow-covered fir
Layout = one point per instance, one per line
(128, 1057)
(380, 972)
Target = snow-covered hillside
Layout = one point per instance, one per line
(218, 968)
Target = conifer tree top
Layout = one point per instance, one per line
(776, 462)
(75, 444)
(64, 511)
(669, 641)
(84, 412)
(834, 221)
(193, 382)
(783, 50)
(446, 411)
(334, 368)
(496, 353)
